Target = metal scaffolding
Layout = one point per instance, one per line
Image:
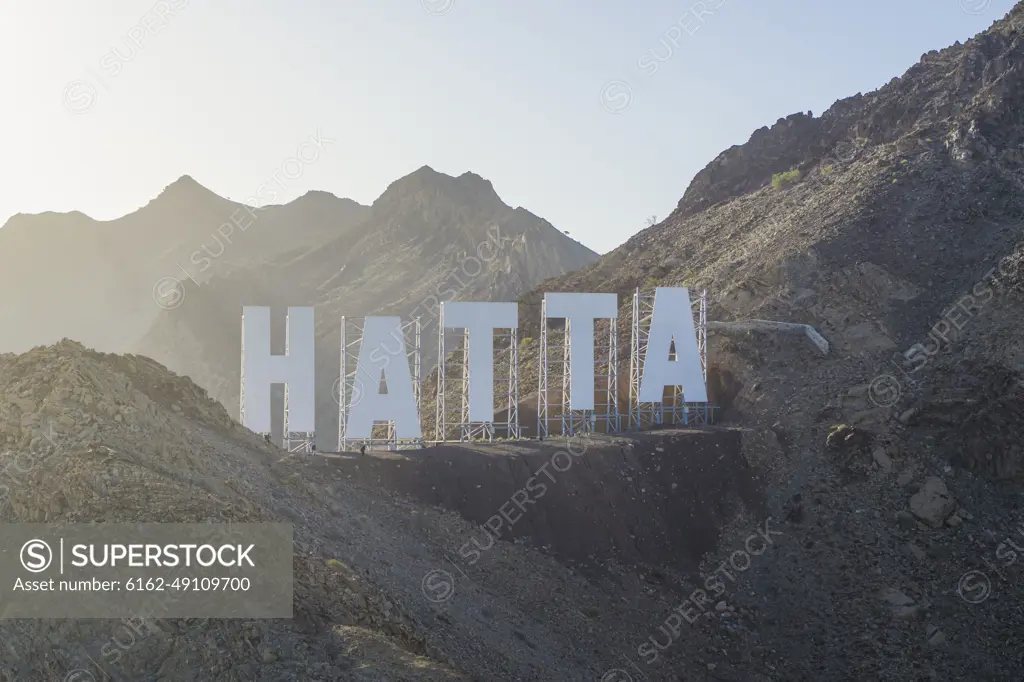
(673, 409)
(351, 386)
(241, 393)
(605, 417)
(452, 420)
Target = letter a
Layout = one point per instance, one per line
(672, 320)
(399, 403)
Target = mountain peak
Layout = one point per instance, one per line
(46, 218)
(315, 194)
(320, 200)
(468, 188)
(186, 183)
(319, 197)
(472, 181)
(185, 191)
(186, 188)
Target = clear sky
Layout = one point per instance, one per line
(227, 90)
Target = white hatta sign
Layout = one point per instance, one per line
(671, 328)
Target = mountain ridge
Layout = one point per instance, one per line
(840, 125)
(429, 237)
(107, 268)
(883, 230)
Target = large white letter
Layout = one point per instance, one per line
(399, 403)
(580, 311)
(260, 369)
(480, 320)
(672, 320)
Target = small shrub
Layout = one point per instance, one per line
(827, 169)
(780, 180)
(526, 341)
(651, 282)
(903, 162)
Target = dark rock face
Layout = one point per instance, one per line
(658, 498)
(745, 168)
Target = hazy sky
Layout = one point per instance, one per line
(227, 90)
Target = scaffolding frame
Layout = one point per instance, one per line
(505, 359)
(383, 434)
(675, 410)
(605, 416)
(241, 374)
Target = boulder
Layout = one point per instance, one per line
(933, 503)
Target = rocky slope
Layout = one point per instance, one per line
(896, 232)
(96, 437)
(98, 271)
(428, 238)
(891, 465)
(906, 197)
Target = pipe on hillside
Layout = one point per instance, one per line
(767, 325)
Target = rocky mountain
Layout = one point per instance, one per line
(866, 222)
(100, 271)
(428, 238)
(92, 437)
(892, 224)
(855, 517)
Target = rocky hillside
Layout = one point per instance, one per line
(99, 271)
(867, 222)
(890, 467)
(428, 238)
(882, 212)
(86, 436)
(893, 225)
